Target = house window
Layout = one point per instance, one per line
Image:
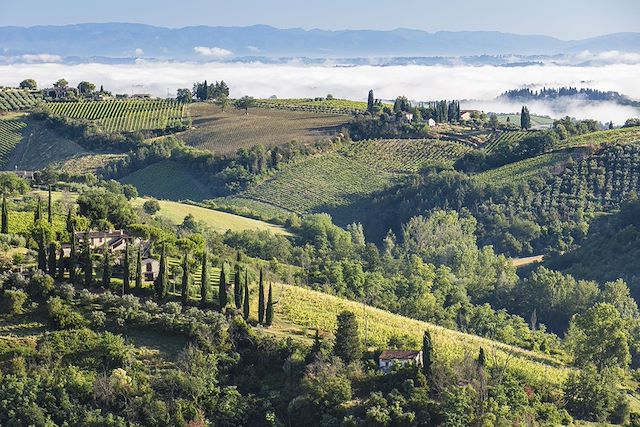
(149, 267)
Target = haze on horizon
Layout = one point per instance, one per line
(567, 19)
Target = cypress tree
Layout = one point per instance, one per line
(245, 304)
(525, 118)
(50, 207)
(139, 270)
(370, 101)
(204, 280)
(269, 311)
(261, 299)
(162, 284)
(106, 268)
(52, 259)
(427, 350)
(315, 348)
(70, 226)
(222, 289)
(185, 278)
(482, 358)
(38, 213)
(42, 253)
(5, 216)
(126, 278)
(88, 264)
(347, 345)
(237, 290)
(60, 263)
(72, 255)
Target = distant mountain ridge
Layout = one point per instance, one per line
(124, 40)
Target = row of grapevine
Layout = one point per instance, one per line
(14, 99)
(405, 155)
(10, 136)
(123, 115)
(505, 137)
(327, 106)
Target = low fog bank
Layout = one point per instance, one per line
(296, 80)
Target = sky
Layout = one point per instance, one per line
(565, 19)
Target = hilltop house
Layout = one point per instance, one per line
(465, 115)
(114, 240)
(389, 358)
(432, 123)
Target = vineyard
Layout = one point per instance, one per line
(166, 180)
(10, 136)
(320, 182)
(524, 170)
(405, 155)
(123, 115)
(226, 132)
(506, 137)
(614, 136)
(536, 121)
(319, 105)
(14, 99)
(302, 308)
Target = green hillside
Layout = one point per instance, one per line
(16, 99)
(216, 220)
(166, 180)
(10, 135)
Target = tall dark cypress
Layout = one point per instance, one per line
(185, 278)
(106, 268)
(70, 226)
(162, 284)
(204, 280)
(42, 253)
(269, 311)
(237, 290)
(53, 252)
(261, 299)
(5, 216)
(245, 303)
(427, 353)
(370, 101)
(222, 289)
(88, 263)
(139, 270)
(50, 207)
(60, 263)
(72, 255)
(126, 278)
(37, 215)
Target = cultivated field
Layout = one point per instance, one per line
(613, 136)
(505, 137)
(123, 115)
(321, 182)
(318, 105)
(536, 121)
(226, 132)
(166, 180)
(216, 220)
(15, 99)
(405, 155)
(10, 136)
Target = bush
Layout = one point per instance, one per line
(12, 301)
(66, 292)
(151, 206)
(98, 319)
(62, 316)
(40, 285)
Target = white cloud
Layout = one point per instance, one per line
(41, 57)
(139, 52)
(253, 49)
(298, 80)
(215, 52)
(610, 57)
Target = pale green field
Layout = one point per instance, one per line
(216, 220)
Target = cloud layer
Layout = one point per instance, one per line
(212, 52)
(296, 80)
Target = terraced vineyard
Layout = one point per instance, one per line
(15, 99)
(321, 105)
(226, 132)
(326, 181)
(10, 136)
(505, 137)
(405, 155)
(123, 115)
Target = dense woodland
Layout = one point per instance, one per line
(434, 247)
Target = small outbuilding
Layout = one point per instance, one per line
(389, 358)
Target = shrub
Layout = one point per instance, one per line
(98, 319)
(12, 301)
(62, 316)
(66, 292)
(40, 285)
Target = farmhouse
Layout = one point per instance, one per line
(388, 358)
(408, 117)
(432, 123)
(28, 175)
(115, 240)
(150, 269)
(465, 115)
